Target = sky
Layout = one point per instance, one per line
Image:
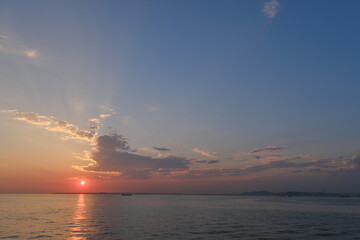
(179, 96)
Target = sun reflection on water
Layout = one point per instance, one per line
(80, 226)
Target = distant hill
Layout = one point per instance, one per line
(297, 194)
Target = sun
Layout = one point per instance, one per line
(82, 182)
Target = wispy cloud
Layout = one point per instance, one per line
(3, 36)
(204, 153)
(105, 115)
(31, 53)
(94, 120)
(294, 165)
(66, 129)
(13, 46)
(110, 111)
(260, 155)
(271, 8)
(157, 152)
(8, 111)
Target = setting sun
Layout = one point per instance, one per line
(82, 182)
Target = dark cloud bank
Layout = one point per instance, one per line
(113, 153)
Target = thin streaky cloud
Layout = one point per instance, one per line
(286, 166)
(110, 111)
(204, 153)
(105, 115)
(8, 111)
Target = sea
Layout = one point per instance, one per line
(197, 217)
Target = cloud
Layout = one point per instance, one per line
(8, 111)
(112, 154)
(207, 161)
(33, 118)
(13, 46)
(105, 115)
(265, 155)
(298, 164)
(162, 149)
(95, 120)
(204, 153)
(86, 157)
(107, 109)
(31, 53)
(270, 8)
(4, 36)
(157, 152)
(114, 142)
(66, 129)
(268, 149)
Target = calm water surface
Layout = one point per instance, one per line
(79, 216)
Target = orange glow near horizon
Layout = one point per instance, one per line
(82, 182)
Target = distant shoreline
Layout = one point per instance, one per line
(254, 193)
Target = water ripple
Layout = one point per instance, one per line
(159, 217)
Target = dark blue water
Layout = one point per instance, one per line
(52, 216)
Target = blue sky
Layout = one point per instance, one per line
(221, 76)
